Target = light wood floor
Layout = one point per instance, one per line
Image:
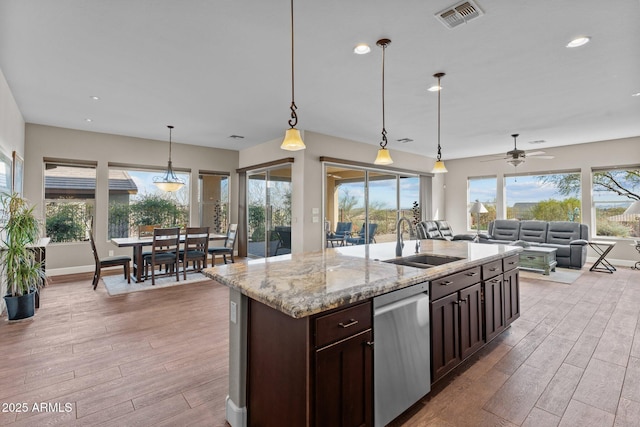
(159, 358)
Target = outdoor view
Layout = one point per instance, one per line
(557, 197)
(385, 190)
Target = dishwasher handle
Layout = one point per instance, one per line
(395, 305)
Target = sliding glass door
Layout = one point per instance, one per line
(361, 196)
(269, 212)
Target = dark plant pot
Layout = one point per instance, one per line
(21, 307)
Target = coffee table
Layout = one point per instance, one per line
(538, 259)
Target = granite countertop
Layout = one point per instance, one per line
(301, 285)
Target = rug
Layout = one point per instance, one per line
(561, 275)
(117, 284)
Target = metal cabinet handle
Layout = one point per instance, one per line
(446, 283)
(531, 257)
(463, 300)
(472, 273)
(494, 280)
(350, 323)
(369, 343)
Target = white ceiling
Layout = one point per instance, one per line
(215, 68)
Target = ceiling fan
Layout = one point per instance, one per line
(516, 156)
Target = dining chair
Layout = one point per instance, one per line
(164, 251)
(112, 261)
(227, 248)
(195, 250)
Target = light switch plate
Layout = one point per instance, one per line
(315, 211)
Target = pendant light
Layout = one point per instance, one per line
(169, 181)
(292, 139)
(439, 167)
(383, 157)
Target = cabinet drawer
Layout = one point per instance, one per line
(511, 262)
(454, 282)
(342, 324)
(491, 269)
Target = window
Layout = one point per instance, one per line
(214, 201)
(69, 197)
(613, 192)
(548, 197)
(134, 201)
(484, 190)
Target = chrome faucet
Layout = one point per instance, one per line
(399, 242)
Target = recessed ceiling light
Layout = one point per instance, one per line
(95, 98)
(88, 120)
(435, 88)
(361, 49)
(635, 94)
(579, 41)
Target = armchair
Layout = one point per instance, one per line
(360, 238)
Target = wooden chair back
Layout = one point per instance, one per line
(232, 233)
(196, 247)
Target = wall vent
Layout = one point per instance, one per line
(460, 13)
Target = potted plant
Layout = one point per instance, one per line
(20, 230)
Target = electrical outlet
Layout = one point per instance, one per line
(233, 312)
(110, 253)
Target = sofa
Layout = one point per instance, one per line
(439, 230)
(569, 238)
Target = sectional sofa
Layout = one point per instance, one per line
(569, 238)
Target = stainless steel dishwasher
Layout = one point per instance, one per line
(402, 371)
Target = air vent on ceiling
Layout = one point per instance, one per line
(537, 141)
(458, 14)
(405, 140)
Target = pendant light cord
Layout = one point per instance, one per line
(294, 116)
(170, 129)
(439, 75)
(383, 143)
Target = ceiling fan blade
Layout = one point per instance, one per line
(535, 153)
(541, 157)
(493, 160)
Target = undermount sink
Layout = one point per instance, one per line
(424, 260)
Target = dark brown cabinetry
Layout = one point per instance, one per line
(511, 292)
(456, 320)
(314, 371)
(469, 309)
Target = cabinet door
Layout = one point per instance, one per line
(494, 321)
(470, 304)
(511, 296)
(445, 352)
(343, 383)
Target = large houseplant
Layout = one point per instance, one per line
(23, 275)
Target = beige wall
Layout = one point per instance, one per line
(307, 175)
(11, 136)
(582, 157)
(60, 143)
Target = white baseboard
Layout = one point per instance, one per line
(71, 270)
(236, 417)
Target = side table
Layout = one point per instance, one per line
(602, 248)
(637, 246)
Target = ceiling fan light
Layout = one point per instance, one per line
(383, 157)
(292, 140)
(439, 167)
(515, 162)
(578, 41)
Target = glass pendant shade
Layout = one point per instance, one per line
(439, 167)
(169, 181)
(383, 157)
(292, 140)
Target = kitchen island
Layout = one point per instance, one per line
(301, 336)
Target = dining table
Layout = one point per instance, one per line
(137, 243)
